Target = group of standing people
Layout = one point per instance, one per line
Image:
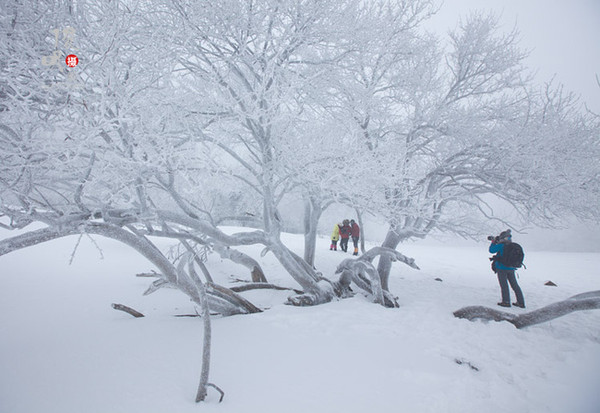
(509, 256)
(342, 232)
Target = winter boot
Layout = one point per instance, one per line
(355, 251)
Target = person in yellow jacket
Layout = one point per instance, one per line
(335, 236)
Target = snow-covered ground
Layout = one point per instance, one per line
(63, 349)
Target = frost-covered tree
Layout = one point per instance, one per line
(450, 132)
(187, 115)
(168, 98)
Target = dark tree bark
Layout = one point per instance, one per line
(128, 310)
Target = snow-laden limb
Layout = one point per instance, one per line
(585, 301)
(389, 252)
(222, 300)
(243, 259)
(157, 285)
(232, 297)
(35, 237)
(324, 294)
(262, 286)
(363, 273)
(225, 301)
(207, 228)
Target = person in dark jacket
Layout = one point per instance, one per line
(345, 231)
(506, 274)
(355, 233)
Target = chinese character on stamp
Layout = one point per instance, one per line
(56, 58)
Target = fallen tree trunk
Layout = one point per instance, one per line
(585, 301)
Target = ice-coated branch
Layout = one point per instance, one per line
(243, 238)
(262, 286)
(363, 273)
(584, 301)
(35, 237)
(232, 297)
(365, 276)
(243, 259)
(394, 255)
(231, 303)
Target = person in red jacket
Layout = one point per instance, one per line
(345, 231)
(355, 233)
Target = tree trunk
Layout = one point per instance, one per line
(312, 214)
(361, 225)
(205, 313)
(316, 290)
(391, 241)
(207, 336)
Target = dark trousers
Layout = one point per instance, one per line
(504, 278)
(355, 241)
(344, 244)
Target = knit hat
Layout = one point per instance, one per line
(505, 235)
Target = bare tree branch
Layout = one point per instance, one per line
(128, 310)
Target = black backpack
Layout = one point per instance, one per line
(512, 256)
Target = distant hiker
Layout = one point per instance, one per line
(345, 231)
(355, 232)
(335, 236)
(509, 257)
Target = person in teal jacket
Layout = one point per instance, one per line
(506, 274)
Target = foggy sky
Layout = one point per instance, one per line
(563, 36)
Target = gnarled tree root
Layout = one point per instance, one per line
(585, 301)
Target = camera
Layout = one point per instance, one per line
(493, 238)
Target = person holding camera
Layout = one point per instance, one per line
(509, 256)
